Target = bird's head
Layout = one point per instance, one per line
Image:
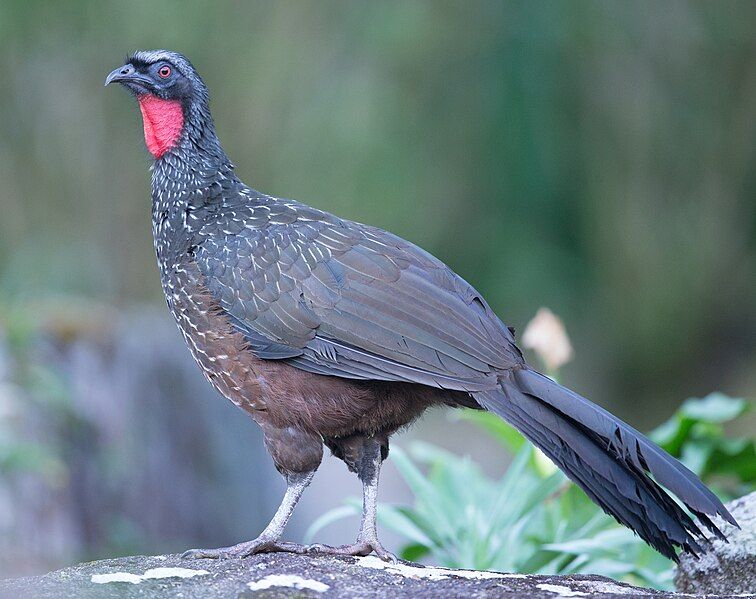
(171, 95)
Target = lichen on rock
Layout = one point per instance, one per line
(730, 567)
(288, 575)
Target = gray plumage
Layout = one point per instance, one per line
(327, 330)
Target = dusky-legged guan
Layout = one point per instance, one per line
(327, 331)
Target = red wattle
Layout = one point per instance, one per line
(163, 121)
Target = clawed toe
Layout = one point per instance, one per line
(243, 550)
(205, 554)
(287, 547)
(222, 553)
(234, 552)
(360, 548)
(385, 555)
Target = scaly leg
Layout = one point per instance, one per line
(268, 539)
(297, 455)
(368, 468)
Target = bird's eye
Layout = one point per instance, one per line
(164, 71)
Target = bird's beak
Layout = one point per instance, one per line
(126, 74)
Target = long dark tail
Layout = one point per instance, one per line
(610, 461)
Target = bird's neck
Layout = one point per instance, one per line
(190, 181)
(198, 139)
(194, 159)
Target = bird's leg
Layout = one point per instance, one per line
(268, 539)
(368, 467)
(296, 454)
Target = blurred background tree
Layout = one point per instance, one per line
(595, 157)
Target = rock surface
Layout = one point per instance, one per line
(287, 575)
(730, 567)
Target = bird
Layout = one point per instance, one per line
(332, 333)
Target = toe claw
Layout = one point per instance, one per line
(219, 554)
(289, 547)
(360, 548)
(386, 556)
(242, 550)
(197, 554)
(318, 548)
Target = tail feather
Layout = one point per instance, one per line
(609, 460)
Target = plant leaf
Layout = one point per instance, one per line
(502, 432)
(414, 552)
(395, 519)
(715, 407)
(331, 516)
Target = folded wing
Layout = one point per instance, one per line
(343, 299)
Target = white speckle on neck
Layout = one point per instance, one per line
(288, 580)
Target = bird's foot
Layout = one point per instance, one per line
(242, 550)
(361, 547)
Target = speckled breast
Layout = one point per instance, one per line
(219, 350)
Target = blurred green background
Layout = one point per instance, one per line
(594, 157)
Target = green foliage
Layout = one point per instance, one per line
(552, 152)
(20, 456)
(695, 434)
(35, 405)
(533, 520)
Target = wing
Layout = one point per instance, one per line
(339, 298)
